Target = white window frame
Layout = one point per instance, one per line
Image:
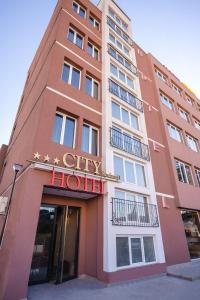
(79, 6)
(113, 15)
(94, 48)
(161, 75)
(139, 236)
(129, 117)
(123, 46)
(90, 138)
(180, 163)
(189, 100)
(196, 124)
(177, 131)
(75, 36)
(70, 73)
(163, 97)
(185, 113)
(176, 89)
(191, 138)
(134, 170)
(197, 172)
(62, 135)
(95, 22)
(92, 91)
(125, 75)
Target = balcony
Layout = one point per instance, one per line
(128, 144)
(126, 96)
(119, 31)
(133, 213)
(128, 65)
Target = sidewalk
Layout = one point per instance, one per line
(188, 271)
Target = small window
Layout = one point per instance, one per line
(192, 143)
(176, 89)
(118, 167)
(184, 115)
(93, 51)
(149, 251)
(197, 172)
(75, 38)
(160, 75)
(116, 111)
(125, 116)
(90, 139)
(94, 23)
(175, 133)
(71, 75)
(79, 10)
(166, 101)
(92, 87)
(64, 130)
(197, 124)
(122, 247)
(184, 172)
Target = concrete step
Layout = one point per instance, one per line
(188, 271)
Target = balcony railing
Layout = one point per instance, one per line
(133, 213)
(115, 54)
(128, 144)
(119, 31)
(124, 95)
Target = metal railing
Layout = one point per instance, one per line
(116, 55)
(133, 213)
(124, 95)
(129, 144)
(119, 31)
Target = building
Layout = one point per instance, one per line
(173, 127)
(84, 201)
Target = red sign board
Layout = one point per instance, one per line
(77, 183)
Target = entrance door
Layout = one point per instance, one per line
(55, 255)
(191, 222)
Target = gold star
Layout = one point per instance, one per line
(37, 155)
(56, 161)
(46, 158)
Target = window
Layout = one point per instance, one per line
(64, 130)
(121, 75)
(71, 75)
(125, 116)
(120, 32)
(129, 171)
(189, 100)
(160, 75)
(119, 45)
(197, 124)
(184, 115)
(118, 20)
(197, 172)
(93, 51)
(134, 249)
(79, 10)
(192, 143)
(94, 23)
(92, 87)
(176, 88)
(90, 139)
(166, 101)
(175, 132)
(184, 172)
(75, 38)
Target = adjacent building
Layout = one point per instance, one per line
(173, 127)
(84, 201)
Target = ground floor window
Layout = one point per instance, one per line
(134, 249)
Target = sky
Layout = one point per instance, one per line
(170, 30)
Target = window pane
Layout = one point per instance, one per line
(130, 82)
(65, 73)
(91, 20)
(136, 250)
(94, 142)
(112, 38)
(121, 76)
(75, 7)
(75, 78)
(116, 111)
(134, 122)
(69, 132)
(118, 167)
(96, 90)
(71, 35)
(57, 128)
(96, 54)
(79, 41)
(119, 45)
(140, 175)
(129, 172)
(122, 251)
(119, 194)
(90, 49)
(149, 249)
(82, 12)
(125, 116)
(85, 138)
(189, 175)
(113, 69)
(88, 86)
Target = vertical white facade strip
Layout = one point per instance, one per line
(111, 231)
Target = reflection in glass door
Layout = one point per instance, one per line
(55, 255)
(191, 222)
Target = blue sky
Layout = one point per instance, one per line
(170, 30)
